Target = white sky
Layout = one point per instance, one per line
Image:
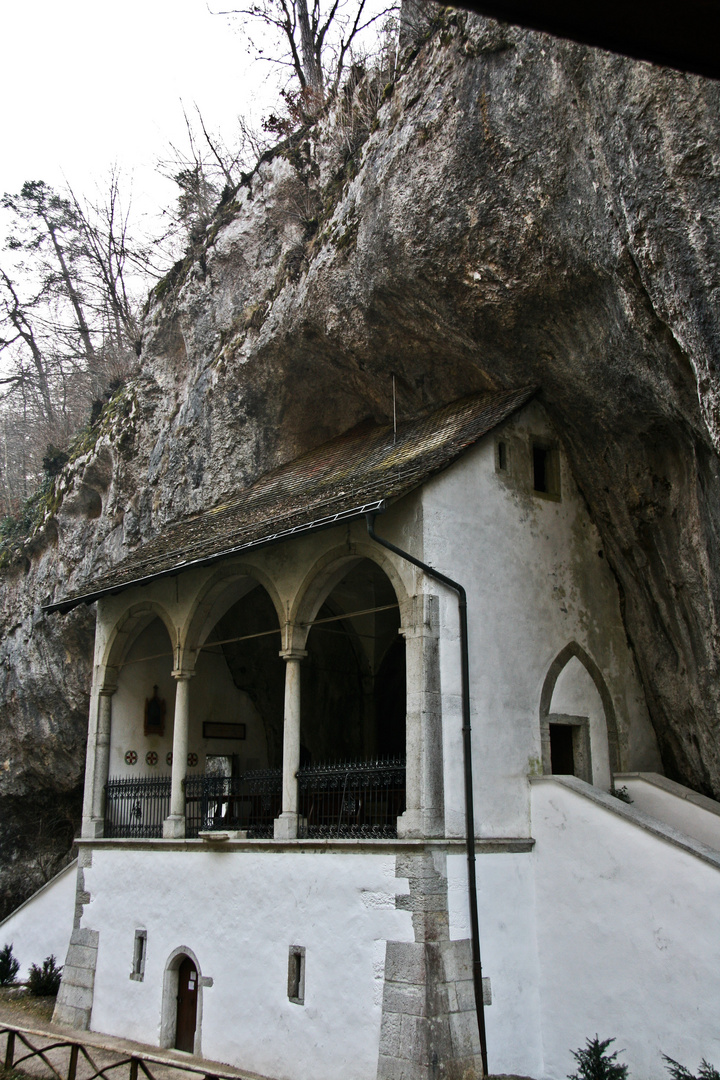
(86, 83)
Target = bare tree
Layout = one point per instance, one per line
(315, 43)
(205, 167)
(69, 320)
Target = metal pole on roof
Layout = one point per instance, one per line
(467, 762)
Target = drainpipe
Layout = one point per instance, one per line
(467, 762)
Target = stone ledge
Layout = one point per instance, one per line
(671, 787)
(446, 845)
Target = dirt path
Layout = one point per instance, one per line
(34, 1015)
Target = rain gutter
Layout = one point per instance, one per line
(327, 522)
(467, 763)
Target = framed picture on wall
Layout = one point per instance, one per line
(155, 714)
(213, 729)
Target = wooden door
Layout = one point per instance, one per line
(186, 1006)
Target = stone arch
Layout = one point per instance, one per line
(574, 650)
(168, 1017)
(129, 625)
(324, 575)
(215, 598)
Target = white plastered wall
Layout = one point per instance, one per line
(41, 926)
(239, 913)
(506, 916)
(627, 936)
(535, 582)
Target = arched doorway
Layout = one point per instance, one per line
(181, 1019)
(186, 1017)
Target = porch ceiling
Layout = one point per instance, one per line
(342, 478)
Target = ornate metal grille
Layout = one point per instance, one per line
(251, 802)
(336, 799)
(136, 806)
(352, 798)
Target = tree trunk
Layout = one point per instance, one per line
(311, 67)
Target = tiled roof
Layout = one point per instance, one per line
(340, 479)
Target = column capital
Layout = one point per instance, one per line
(293, 654)
(106, 679)
(182, 673)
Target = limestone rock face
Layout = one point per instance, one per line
(520, 210)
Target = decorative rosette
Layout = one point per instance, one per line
(151, 757)
(130, 757)
(168, 757)
(192, 760)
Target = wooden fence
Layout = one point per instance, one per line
(29, 1051)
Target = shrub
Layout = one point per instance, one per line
(595, 1063)
(679, 1072)
(9, 966)
(44, 980)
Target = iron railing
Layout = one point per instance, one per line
(135, 807)
(250, 802)
(352, 798)
(336, 799)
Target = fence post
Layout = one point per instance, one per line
(72, 1064)
(133, 1068)
(10, 1049)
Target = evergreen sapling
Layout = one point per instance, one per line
(9, 966)
(595, 1063)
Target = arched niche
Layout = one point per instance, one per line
(578, 727)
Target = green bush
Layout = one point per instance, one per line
(679, 1072)
(9, 966)
(595, 1063)
(44, 980)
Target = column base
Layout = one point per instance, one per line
(174, 827)
(286, 827)
(420, 824)
(93, 828)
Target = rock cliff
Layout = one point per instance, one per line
(507, 209)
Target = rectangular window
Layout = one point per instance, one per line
(139, 950)
(296, 974)
(546, 470)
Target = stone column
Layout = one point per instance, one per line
(174, 825)
(286, 826)
(97, 762)
(424, 813)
